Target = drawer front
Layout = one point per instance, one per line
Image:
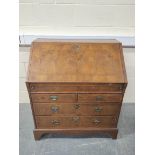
(76, 88)
(54, 98)
(75, 108)
(101, 88)
(52, 88)
(100, 97)
(75, 121)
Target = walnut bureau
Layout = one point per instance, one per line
(76, 86)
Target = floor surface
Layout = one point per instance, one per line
(60, 145)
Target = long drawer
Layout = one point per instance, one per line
(47, 87)
(75, 121)
(76, 108)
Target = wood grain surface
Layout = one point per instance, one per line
(76, 62)
(76, 86)
(61, 109)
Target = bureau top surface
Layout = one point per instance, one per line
(76, 61)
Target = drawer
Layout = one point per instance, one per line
(54, 98)
(76, 108)
(101, 88)
(75, 121)
(100, 97)
(47, 87)
(52, 88)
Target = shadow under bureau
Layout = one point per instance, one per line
(76, 86)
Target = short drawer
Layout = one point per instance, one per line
(55, 109)
(75, 121)
(101, 88)
(100, 97)
(54, 98)
(52, 88)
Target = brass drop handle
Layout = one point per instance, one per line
(55, 122)
(99, 98)
(54, 109)
(77, 106)
(96, 121)
(54, 98)
(76, 119)
(98, 109)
